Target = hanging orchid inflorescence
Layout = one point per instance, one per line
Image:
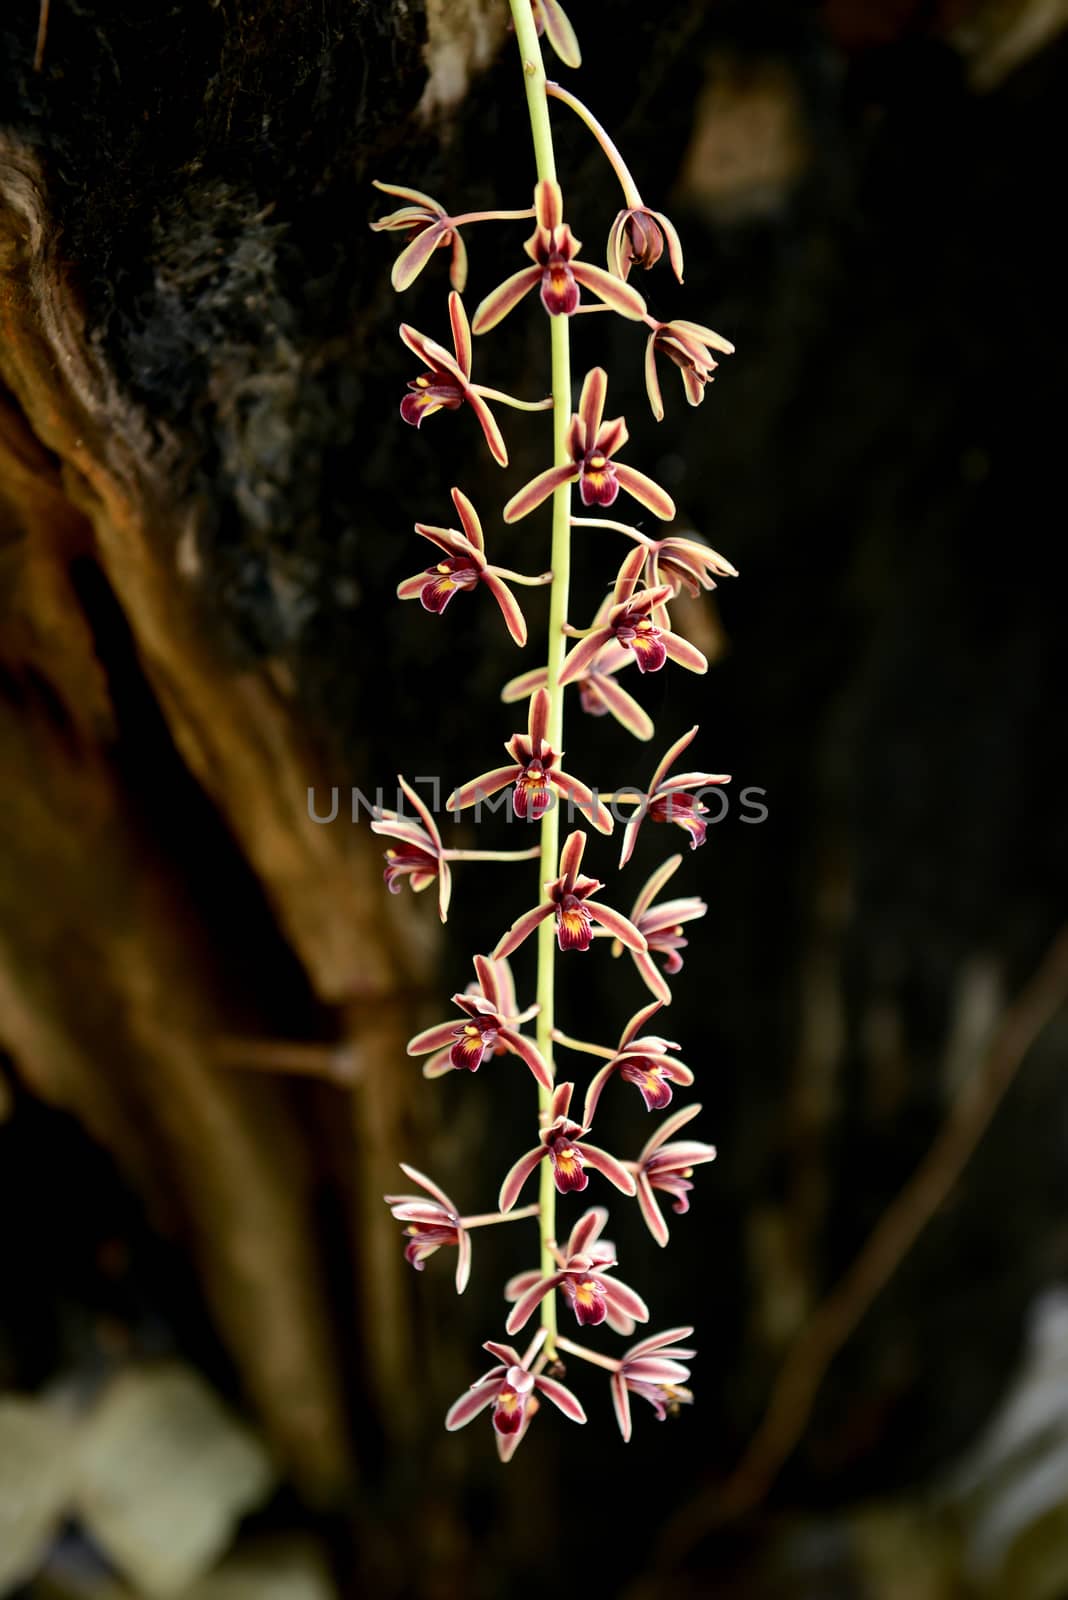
(631, 628)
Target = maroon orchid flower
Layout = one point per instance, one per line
(489, 1029)
(643, 1060)
(553, 248)
(662, 926)
(551, 20)
(652, 1369)
(670, 799)
(510, 1388)
(636, 239)
(419, 854)
(536, 775)
(583, 1279)
(499, 991)
(668, 1167)
(446, 384)
(591, 444)
(562, 1142)
(570, 902)
(690, 347)
(430, 228)
(599, 693)
(464, 568)
(432, 1224)
(637, 621)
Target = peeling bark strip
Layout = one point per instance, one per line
(111, 988)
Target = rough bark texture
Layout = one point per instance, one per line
(205, 498)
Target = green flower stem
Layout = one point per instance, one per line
(618, 165)
(560, 562)
(593, 1356)
(486, 1219)
(580, 1044)
(492, 855)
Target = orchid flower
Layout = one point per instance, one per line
(432, 1224)
(553, 248)
(662, 927)
(510, 1388)
(446, 383)
(487, 1030)
(535, 774)
(668, 1167)
(570, 902)
(690, 347)
(583, 1279)
(430, 228)
(636, 239)
(419, 854)
(599, 693)
(668, 799)
(637, 621)
(465, 567)
(591, 444)
(654, 1370)
(562, 1142)
(641, 1059)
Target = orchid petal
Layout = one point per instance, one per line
(612, 290)
(521, 929)
(525, 684)
(652, 380)
(429, 1185)
(608, 1166)
(571, 854)
(638, 1021)
(560, 33)
(617, 924)
(621, 1402)
(480, 788)
(538, 489)
(591, 401)
(463, 1260)
(582, 656)
(595, 1090)
(654, 1220)
(505, 298)
(529, 1052)
(668, 1128)
(514, 619)
(625, 708)
(683, 653)
(435, 1038)
(624, 1300)
(645, 491)
(488, 422)
(464, 1410)
(469, 520)
(585, 799)
(529, 1302)
(414, 257)
(520, 1283)
(461, 333)
(653, 977)
(561, 1397)
(517, 1176)
(589, 1227)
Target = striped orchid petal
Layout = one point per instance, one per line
(623, 706)
(414, 257)
(480, 788)
(507, 295)
(529, 1302)
(651, 1212)
(587, 1229)
(617, 924)
(684, 654)
(561, 1397)
(517, 1176)
(469, 520)
(521, 929)
(624, 1301)
(528, 1052)
(469, 1405)
(612, 291)
(621, 1403)
(582, 657)
(608, 1166)
(645, 491)
(514, 619)
(435, 1038)
(538, 490)
(659, 1341)
(525, 684)
(463, 1261)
